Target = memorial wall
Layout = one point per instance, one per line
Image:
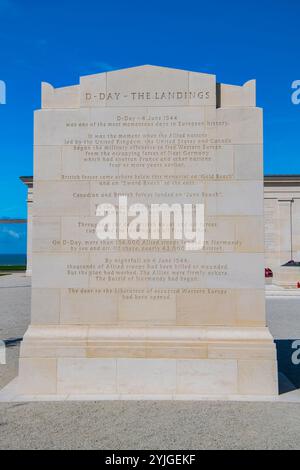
(145, 316)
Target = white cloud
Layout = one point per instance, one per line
(11, 233)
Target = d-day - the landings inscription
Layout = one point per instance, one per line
(143, 316)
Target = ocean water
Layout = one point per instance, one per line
(18, 259)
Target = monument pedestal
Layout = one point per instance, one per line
(146, 363)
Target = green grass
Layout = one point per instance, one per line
(12, 268)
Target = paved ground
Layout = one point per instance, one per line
(142, 425)
(149, 425)
(14, 318)
(283, 317)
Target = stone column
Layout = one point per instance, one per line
(285, 230)
(28, 181)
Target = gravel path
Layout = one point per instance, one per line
(149, 425)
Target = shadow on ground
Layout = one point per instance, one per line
(288, 357)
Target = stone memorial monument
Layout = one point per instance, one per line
(137, 317)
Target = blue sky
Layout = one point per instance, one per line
(58, 41)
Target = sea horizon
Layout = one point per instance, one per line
(12, 259)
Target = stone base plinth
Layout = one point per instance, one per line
(161, 363)
(287, 276)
